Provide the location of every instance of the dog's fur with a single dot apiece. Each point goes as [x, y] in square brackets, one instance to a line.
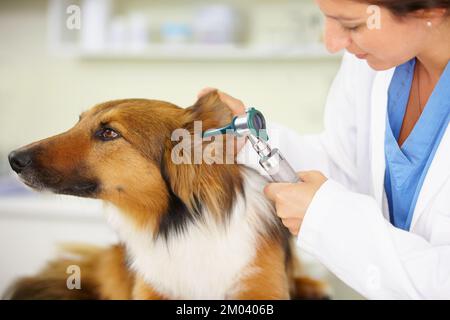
[189, 231]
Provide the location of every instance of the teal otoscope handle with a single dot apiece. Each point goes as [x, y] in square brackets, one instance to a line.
[218, 131]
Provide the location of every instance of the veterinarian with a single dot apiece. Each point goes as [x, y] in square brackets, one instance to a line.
[376, 208]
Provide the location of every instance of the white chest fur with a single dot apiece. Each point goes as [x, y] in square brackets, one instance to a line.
[206, 261]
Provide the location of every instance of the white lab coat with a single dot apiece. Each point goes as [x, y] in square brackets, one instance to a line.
[346, 226]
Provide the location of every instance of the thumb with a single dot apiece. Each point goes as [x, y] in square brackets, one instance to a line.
[272, 190]
[306, 176]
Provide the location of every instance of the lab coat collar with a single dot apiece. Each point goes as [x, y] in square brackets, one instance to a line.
[379, 100]
[437, 174]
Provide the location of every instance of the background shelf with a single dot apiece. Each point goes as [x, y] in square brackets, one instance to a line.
[208, 53]
[188, 30]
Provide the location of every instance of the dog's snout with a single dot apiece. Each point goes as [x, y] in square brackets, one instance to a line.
[19, 160]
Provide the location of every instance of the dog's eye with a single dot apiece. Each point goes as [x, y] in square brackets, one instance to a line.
[107, 134]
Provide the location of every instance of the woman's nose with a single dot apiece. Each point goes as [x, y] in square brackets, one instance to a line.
[336, 38]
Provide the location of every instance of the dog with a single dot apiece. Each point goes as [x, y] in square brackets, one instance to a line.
[187, 231]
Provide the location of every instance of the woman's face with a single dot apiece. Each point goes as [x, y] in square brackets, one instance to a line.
[351, 25]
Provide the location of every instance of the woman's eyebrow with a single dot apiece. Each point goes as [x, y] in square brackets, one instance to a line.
[342, 18]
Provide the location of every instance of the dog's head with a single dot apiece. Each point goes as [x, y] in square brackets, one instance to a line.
[120, 151]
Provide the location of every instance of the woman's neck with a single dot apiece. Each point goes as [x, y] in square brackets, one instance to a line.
[436, 53]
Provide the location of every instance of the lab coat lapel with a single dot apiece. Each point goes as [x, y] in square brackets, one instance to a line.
[437, 174]
[439, 170]
[379, 100]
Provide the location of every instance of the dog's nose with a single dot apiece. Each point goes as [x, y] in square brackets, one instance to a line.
[19, 160]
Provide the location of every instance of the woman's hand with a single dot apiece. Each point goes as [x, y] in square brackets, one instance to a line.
[236, 106]
[293, 199]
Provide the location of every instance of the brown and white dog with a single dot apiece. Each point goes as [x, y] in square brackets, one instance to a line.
[188, 231]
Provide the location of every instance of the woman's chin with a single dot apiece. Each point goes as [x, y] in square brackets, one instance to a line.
[378, 65]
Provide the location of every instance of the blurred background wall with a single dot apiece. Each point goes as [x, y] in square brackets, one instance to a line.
[267, 53]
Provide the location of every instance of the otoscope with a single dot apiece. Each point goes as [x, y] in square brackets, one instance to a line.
[253, 125]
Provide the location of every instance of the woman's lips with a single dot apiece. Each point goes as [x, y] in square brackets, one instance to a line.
[361, 55]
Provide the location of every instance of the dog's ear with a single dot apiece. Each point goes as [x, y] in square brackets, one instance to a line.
[199, 182]
[211, 111]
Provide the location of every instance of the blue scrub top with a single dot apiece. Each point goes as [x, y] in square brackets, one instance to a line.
[407, 166]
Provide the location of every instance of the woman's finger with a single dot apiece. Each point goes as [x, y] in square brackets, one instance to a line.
[290, 222]
[236, 105]
[205, 91]
[294, 230]
[273, 191]
[311, 176]
[293, 224]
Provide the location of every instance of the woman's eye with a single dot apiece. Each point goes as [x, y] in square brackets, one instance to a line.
[351, 28]
[107, 134]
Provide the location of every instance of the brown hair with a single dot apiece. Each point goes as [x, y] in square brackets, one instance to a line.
[402, 8]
